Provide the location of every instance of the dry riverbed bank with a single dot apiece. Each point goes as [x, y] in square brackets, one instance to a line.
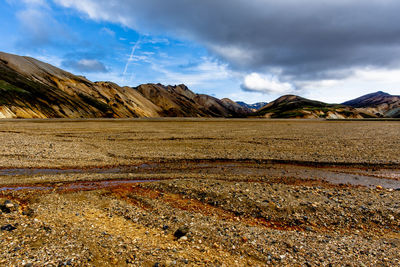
[221, 222]
[142, 193]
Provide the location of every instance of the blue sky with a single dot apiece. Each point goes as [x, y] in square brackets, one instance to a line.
[249, 50]
[101, 50]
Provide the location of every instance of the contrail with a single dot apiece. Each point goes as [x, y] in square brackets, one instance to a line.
[131, 56]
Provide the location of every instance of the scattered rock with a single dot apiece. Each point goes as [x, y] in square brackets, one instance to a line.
[8, 227]
[28, 212]
[9, 204]
[183, 238]
[182, 231]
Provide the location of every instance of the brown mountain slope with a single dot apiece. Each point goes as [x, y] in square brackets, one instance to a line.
[235, 106]
[379, 103]
[292, 106]
[179, 101]
[34, 89]
[217, 107]
[172, 100]
[30, 88]
[22, 95]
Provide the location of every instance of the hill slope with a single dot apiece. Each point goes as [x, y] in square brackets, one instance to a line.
[379, 103]
[179, 101]
[33, 89]
[30, 88]
[292, 106]
[236, 106]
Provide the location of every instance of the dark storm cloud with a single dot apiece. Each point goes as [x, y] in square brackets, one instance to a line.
[309, 39]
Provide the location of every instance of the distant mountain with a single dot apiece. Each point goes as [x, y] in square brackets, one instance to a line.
[292, 106]
[380, 103]
[179, 101]
[30, 88]
[253, 107]
[235, 106]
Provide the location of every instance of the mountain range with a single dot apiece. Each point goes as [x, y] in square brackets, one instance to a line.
[252, 107]
[381, 104]
[30, 88]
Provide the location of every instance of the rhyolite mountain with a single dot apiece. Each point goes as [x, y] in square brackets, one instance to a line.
[179, 101]
[292, 106]
[380, 103]
[30, 88]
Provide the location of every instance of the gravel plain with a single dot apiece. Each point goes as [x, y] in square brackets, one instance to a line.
[216, 193]
[96, 143]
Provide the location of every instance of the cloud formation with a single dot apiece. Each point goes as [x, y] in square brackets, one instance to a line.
[302, 43]
[85, 65]
[303, 38]
[255, 82]
[204, 71]
[38, 25]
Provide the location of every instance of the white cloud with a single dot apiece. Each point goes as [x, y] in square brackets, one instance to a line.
[305, 45]
[250, 97]
[95, 10]
[255, 82]
[135, 46]
[362, 81]
[108, 31]
[39, 26]
[88, 62]
[206, 72]
[85, 65]
[51, 59]
[156, 40]
[232, 53]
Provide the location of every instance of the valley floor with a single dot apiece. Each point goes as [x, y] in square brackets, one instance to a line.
[167, 192]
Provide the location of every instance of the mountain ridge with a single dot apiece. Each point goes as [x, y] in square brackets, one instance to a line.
[293, 106]
[30, 88]
[379, 103]
[33, 89]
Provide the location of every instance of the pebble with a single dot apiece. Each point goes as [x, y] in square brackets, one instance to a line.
[182, 231]
[8, 204]
[8, 227]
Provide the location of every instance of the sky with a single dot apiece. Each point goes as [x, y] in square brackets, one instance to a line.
[246, 50]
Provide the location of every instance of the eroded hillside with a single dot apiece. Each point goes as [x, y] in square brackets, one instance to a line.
[34, 89]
